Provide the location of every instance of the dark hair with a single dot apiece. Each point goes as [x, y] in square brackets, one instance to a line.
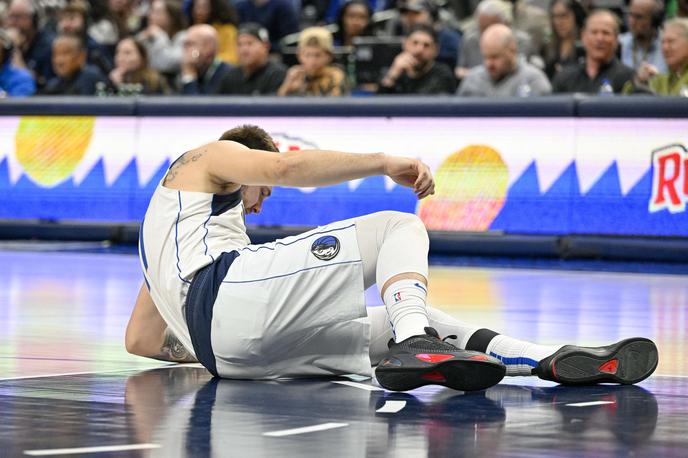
[250, 136]
[177, 19]
[221, 11]
[575, 7]
[80, 41]
[339, 34]
[425, 28]
[140, 48]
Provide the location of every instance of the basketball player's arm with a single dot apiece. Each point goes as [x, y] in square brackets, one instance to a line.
[234, 163]
[148, 335]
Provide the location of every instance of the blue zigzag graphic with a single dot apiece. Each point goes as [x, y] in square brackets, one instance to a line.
[560, 210]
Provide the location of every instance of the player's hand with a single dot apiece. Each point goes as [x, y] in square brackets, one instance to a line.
[411, 173]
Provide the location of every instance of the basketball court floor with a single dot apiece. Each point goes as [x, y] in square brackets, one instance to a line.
[68, 387]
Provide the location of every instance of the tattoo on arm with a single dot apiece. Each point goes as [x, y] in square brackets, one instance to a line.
[173, 350]
[181, 162]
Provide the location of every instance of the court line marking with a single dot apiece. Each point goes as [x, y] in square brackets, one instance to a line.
[361, 386]
[131, 369]
[591, 403]
[305, 429]
[391, 407]
[105, 448]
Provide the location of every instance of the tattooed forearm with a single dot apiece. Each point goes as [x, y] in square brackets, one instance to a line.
[173, 350]
[183, 160]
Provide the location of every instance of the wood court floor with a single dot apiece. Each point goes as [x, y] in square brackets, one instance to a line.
[67, 386]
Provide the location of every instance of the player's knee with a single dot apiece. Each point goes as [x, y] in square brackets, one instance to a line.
[411, 221]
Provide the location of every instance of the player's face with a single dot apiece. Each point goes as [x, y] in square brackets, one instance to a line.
[253, 197]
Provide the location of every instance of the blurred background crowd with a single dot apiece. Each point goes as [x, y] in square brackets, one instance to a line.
[336, 48]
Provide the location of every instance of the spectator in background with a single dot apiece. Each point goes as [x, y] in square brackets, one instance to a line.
[33, 43]
[256, 73]
[164, 36]
[74, 76]
[314, 74]
[414, 70]
[112, 20]
[416, 12]
[601, 72]
[353, 20]
[223, 17]
[565, 48]
[14, 81]
[533, 21]
[487, 13]
[278, 16]
[202, 71]
[675, 50]
[682, 10]
[132, 74]
[73, 19]
[503, 73]
[642, 44]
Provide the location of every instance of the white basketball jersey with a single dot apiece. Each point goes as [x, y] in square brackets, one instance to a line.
[181, 233]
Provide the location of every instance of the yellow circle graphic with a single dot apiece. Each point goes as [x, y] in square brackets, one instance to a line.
[50, 147]
[470, 190]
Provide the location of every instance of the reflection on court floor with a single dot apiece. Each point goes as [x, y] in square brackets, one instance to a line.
[68, 386]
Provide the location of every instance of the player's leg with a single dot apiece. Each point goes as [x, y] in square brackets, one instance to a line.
[394, 250]
[628, 361]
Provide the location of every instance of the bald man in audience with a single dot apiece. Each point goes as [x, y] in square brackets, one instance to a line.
[202, 70]
[503, 73]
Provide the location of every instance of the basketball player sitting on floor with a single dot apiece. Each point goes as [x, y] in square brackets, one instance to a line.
[295, 307]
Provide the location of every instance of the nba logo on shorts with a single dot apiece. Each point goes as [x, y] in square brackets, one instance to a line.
[325, 248]
[397, 297]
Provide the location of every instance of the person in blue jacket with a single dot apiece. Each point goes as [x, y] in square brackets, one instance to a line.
[14, 81]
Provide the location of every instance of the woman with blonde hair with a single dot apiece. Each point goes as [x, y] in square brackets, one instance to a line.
[314, 74]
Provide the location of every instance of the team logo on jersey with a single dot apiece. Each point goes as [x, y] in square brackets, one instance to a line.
[325, 248]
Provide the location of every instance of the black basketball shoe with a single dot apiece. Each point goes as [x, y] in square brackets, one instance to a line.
[428, 360]
[626, 362]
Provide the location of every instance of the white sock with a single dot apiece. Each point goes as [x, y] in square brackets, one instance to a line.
[518, 355]
[406, 310]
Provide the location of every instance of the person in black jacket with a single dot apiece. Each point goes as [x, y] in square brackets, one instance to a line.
[601, 72]
[256, 73]
[74, 76]
[415, 70]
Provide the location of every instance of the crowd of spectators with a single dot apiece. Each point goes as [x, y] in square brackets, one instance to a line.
[491, 48]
